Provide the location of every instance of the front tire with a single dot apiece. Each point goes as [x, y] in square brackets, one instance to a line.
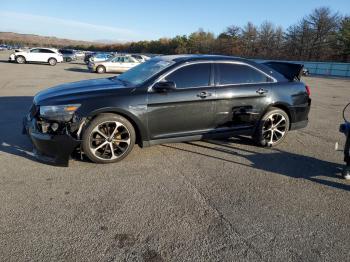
[20, 59]
[108, 138]
[101, 69]
[52, 61]
[272, 128]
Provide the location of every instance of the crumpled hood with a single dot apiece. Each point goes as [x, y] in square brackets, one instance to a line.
[74, 90]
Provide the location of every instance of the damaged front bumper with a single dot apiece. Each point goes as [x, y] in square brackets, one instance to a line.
[50, 148]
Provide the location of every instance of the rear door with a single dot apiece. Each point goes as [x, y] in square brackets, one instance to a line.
[187, 110]
[114, 64]
[45, 54]
[243, 93]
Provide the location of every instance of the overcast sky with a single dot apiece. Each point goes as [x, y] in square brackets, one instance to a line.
[145, 20]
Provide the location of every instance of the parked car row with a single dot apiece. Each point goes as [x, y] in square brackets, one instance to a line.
[97, 62]
[8, 47]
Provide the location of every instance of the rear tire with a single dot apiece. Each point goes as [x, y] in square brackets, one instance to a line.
[20, 59]
[272, 128]
[100, 69]
[108, 138]
[52, 61]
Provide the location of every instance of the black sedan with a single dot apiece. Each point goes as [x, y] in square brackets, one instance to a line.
[168, 99]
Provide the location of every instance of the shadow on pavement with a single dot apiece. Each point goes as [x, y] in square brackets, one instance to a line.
[4, 61]
[274, 160]
[13, 109]
[77, 69]
[77, 63]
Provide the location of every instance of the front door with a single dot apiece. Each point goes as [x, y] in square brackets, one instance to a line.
[34, 55]
[186, 110]
[114, 65]
[242, 93]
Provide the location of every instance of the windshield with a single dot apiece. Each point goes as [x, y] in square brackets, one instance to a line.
[144, 71]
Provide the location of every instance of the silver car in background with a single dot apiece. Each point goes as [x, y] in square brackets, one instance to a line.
[116, 64]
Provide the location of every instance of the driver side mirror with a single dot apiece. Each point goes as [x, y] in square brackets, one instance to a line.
[164, 86]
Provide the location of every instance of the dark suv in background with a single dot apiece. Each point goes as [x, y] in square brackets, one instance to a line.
[68, 55]
[168, 99]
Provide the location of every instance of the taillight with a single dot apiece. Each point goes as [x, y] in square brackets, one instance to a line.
[307, 88]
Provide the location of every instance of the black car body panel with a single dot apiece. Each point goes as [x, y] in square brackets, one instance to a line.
[55, 149]
[288, 70]
[181, 114]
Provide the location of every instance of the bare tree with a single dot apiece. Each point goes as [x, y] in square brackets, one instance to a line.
[324, 26]
[249, 40]
[344, 39]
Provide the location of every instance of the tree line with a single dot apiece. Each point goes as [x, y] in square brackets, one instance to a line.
[322, 35]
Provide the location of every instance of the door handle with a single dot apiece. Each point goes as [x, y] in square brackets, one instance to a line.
[262, 91]
[204, 94]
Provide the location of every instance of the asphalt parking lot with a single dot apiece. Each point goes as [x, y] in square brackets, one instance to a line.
[200, 201]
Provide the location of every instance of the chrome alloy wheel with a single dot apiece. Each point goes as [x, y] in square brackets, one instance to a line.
[274, 128]
[109, 140]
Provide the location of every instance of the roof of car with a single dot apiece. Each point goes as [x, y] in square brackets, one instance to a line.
[53, 49]
[190, 57]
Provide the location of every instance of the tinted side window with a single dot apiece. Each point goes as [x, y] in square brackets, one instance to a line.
[191, 76]
[66, 51]
[45, 51]
[239, 74]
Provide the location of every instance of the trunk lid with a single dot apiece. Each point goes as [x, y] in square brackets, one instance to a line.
[290, 71]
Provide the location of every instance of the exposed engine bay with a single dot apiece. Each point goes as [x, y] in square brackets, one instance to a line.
[64, 135]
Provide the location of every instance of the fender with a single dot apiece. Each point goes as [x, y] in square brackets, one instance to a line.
[140, 127]
[281, 105]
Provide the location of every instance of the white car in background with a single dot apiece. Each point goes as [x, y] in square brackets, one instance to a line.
[116, 64]
[39, 55]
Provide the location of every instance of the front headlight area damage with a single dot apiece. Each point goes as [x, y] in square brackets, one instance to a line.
[55, 132]
[59, 120]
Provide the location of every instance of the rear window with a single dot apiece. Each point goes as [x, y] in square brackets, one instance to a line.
[46, 51]
[239, 74]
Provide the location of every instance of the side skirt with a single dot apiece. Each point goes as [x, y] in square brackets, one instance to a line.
[209, 135]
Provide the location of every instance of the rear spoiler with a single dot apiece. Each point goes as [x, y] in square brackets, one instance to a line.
[288, 70]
